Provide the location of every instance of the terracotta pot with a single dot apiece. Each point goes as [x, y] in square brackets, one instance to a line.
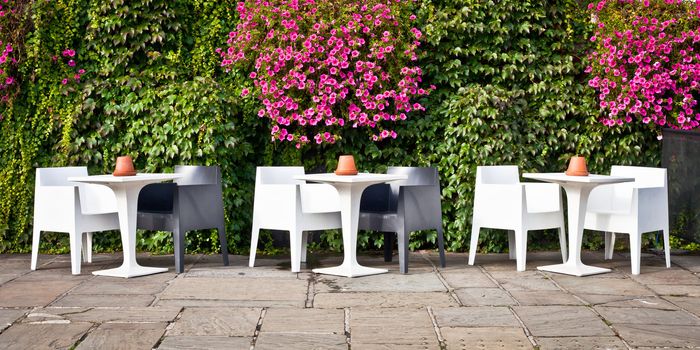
[577, 167]
[125, 167]
[346, 166]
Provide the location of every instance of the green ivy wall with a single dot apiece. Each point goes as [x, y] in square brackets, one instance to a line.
[510, 90]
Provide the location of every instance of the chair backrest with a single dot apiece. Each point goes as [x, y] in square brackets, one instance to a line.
[58, 176]
[198, 175]
[497, 174]
[416, 176]
[643, 176]
[278, 175]
[377, 199]
[94, 199]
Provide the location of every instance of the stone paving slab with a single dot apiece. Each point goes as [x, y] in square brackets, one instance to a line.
[659, 335]
[581, 343]
[104, 300]
[560, 321]
[480, 316]
[101, 315]
[663, 275]
[25, 336]
[601, 285]
[382, 300]
[524, 281]
[676, 290]
[641, 302]
[313, 321]
[247, 292]
[18, 294]
[120, 286]
[301, 341]
[397, 327]
[412, 283]
[647, 316]
[227, 322]
[544, 297]
[468, 278]
[691, 304]
[484, 297]
[123, 336]
[204, 342]
[7, 316]
[485, 338]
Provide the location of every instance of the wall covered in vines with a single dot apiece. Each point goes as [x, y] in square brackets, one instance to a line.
[91, 80]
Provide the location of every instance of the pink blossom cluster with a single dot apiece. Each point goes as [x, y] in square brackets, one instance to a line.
[319, 66]
[68, 55]
[5, 9]
[6, 80]
[647, 67]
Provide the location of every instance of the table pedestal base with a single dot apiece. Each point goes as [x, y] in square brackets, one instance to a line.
[574, 269]
[350, 270]
[130, 271]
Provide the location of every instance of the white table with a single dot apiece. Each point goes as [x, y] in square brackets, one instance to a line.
[126, 189]
[350, 188]
[577, 190]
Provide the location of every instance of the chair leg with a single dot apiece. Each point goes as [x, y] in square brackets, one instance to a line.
[75, 239]
[609, 245]
[635, 251]
[562, 243]
[512, 249]
[441, 246]
[402, 236]
[667, 248]
[179, 243]
[35, 246]
[295, 248]
[253, 244]
[304, 242]
[223, 242]
[520, 248]
[473, 243]
[87, 247]
[388, 246]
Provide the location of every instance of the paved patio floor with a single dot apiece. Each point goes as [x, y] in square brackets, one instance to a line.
[267, 307]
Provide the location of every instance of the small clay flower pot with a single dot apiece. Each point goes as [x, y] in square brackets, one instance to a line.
[577, 167]
[346, 166]
[125, 167]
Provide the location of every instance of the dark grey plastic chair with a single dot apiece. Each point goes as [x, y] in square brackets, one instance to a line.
[193, 202]
[403, 207]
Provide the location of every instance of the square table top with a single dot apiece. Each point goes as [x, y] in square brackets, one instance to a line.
[592, 178]
[359, 178]
[122, 179]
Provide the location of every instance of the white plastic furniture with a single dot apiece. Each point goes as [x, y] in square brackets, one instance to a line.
[633, 208]
[350, 190]
[577, 190]
[61, 206]
[501, 201]
[126, 189]
[285, 203]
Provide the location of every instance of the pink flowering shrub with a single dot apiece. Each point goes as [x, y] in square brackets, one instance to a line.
[320, 66]
[646, 65]
[74, 74]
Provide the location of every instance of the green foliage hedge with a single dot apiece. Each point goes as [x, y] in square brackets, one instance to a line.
[510, 90]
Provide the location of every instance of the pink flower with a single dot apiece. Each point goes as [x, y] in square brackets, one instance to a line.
[64, 81]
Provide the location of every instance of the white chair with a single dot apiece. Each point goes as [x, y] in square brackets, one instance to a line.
[62, 206]
[631, 207]
[501, 201]
[283, 203]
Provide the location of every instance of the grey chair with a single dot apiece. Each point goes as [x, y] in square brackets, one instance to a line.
[402, 207]
[193, 202]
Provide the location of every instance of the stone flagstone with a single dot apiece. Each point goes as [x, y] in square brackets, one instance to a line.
[559, 321]
[485, 338]
[383, 300]
[222, 321]
[113, 335]
[25, 336]
[204, 342]
[484, 297]
[581, 343]
[480, 316]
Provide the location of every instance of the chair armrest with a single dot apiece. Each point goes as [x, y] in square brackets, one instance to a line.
[272, 198]
[420, 206]
[319, 198]
[56, 201]
[542, 197]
